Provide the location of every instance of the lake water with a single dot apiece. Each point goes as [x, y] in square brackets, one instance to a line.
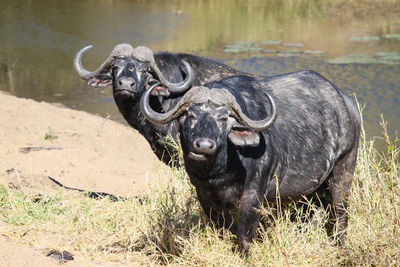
[356, 47]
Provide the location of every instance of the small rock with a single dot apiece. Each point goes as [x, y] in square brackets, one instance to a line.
[55, 254]
[65, 255]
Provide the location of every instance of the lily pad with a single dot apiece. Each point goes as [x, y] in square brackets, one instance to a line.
[258, 55]
[387, 54]
[238, 46]
[391, 58]
[256, 49]
[314, 52]
[344, 60]
[353, 58]
[287, 54]
[341, 60]
[270, 50]
[293, 44]
[378, 57]
[367, 60]
[271, 42]
[234, 50]
[363, 38]
[292, 51]
[241, 43]
[356, 55]
[393, 36]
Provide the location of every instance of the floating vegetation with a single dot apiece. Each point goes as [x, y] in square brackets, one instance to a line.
[393, 36]
[255, 49]
[378, 57]
[363, 38]
[242, 46]
[258, 55]
[293, 44]
[292, 51]
[396, 23]
[280, 49]
[270, 42]
[314, 52]
[270, 50]
[387, 54]
[238, 47]
[287, 54]
[259, 48]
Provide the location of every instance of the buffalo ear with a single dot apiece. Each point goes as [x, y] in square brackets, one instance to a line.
[100, 81]
[244, 137]
[160, 91]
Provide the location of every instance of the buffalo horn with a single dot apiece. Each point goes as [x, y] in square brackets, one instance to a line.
[224, 97]
[260, 125]
[145, 54]
[200, 94]
[119, 50]
[176, 87]
[82, 72]
[195, 94]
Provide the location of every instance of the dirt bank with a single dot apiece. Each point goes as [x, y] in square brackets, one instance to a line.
[76, 148]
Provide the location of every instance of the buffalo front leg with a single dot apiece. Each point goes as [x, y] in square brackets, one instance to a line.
[249, 217]
[219, 217]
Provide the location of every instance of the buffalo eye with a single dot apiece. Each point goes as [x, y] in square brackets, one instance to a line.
[115, 69]
[191, 116]
[223, 119]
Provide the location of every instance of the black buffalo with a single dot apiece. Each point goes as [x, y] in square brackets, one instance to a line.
[130, 71]
[302, 139]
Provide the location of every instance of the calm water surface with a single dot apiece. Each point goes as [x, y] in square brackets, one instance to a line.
[356, 47]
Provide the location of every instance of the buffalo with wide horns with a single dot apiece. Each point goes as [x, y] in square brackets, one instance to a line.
[247, 140]
[130, 71]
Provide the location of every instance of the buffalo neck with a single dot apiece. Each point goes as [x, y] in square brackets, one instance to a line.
[130, 109]
[215, 170]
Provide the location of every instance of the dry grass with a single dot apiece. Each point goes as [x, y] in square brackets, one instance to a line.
[170, 227]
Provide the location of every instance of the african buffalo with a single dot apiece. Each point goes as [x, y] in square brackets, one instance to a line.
[130, 71]
[301, 139]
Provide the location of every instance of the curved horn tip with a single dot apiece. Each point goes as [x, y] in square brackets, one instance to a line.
[269, 121]
[81, 71]
[161, 118]
[260, 125]
[184, 85]
[84, 49]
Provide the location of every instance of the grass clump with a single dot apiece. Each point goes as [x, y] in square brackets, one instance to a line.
[170, 228]
[50, 135]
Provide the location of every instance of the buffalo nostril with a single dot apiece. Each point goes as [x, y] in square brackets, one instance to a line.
[197, 143]
[126, 83]
[204, 145]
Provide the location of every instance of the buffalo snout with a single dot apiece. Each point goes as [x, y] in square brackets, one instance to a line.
[126, 83]
[205, 146]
